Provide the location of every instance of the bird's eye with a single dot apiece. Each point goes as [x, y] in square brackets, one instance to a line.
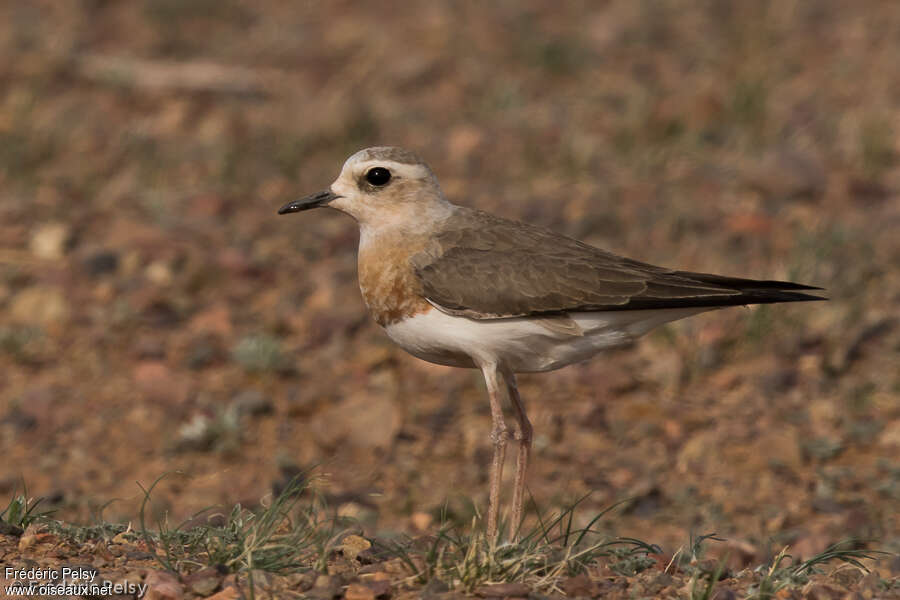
[378, 176]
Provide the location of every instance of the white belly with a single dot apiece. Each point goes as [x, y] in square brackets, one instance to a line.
[524, 345]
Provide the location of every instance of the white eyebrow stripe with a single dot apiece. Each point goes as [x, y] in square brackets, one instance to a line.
[399, 169]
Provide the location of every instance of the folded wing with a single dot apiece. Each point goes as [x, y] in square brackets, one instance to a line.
[485, 267]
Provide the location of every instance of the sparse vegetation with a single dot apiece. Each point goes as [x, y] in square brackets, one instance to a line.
[290, 539]
[280, 536]
[21, 511]
[543, 557]
[260, 353]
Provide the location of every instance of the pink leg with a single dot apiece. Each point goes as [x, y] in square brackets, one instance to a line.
[499, 434]
[523, 434]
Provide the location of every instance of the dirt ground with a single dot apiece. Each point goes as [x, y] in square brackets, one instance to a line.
[157, 316]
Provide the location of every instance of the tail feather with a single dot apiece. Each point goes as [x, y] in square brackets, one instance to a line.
[751, 291]
[738, 283]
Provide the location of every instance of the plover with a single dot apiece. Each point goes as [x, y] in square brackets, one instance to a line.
[460, 287]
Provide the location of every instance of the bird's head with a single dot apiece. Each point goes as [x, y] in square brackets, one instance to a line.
[380, 186]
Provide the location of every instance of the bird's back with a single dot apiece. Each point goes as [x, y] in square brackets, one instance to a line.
[484, 267]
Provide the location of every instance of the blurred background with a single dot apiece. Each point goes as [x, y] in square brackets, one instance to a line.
[156, 316]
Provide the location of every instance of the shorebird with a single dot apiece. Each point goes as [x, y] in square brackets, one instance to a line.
[461, 287]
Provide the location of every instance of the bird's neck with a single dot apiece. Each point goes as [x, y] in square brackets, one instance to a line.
[403, 222]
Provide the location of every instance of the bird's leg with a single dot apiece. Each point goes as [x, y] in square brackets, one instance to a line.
[496, 389]
[523, 434]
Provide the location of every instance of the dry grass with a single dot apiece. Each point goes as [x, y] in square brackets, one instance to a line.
[294, 536]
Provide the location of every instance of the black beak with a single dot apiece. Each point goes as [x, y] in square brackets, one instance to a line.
[311, 201]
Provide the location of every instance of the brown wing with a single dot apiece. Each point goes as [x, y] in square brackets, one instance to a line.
[485, 267]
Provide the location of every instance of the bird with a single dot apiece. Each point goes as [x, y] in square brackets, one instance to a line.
[461, 287]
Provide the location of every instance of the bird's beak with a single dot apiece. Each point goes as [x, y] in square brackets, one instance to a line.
[312, 201]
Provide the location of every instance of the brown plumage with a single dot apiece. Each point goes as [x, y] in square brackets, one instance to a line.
[485, 267]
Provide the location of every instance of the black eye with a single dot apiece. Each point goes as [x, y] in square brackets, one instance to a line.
[378, 176]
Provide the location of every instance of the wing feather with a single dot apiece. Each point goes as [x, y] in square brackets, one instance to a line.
[482, 266]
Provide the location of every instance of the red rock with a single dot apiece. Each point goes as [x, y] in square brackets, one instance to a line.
[214, 319]
[157, 382]
[229, 593]
[821, 591]
[356, 591]
[203, 582]
[162, 586]
[363, 421]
